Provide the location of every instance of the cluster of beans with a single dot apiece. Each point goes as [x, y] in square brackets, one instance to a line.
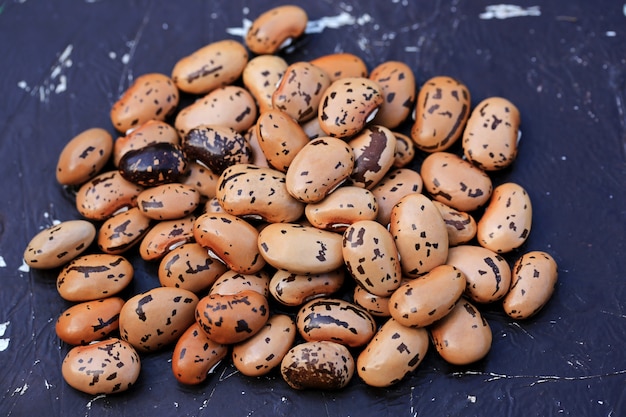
[280, 187]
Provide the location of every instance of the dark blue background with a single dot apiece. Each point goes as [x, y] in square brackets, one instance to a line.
[566, 71]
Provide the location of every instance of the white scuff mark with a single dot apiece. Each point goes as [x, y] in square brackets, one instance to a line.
[506, 11]
[47, 384]
[335, 22]
[471, 398]
[21, 390]
[610, 33]
[411, 49]
[242, 31]
[4, 342]
[3, 264]
[55, 82]
[24, 267]
[94, 399]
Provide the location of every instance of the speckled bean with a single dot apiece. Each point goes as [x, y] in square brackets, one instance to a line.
[165, 236]
[230, 239]
[123, 231]
[229, 106]
[396, 184]
[507, 220]
[463, 336]
[94, 276]
[189, 267]
[152, 131]
[151, 96]
[394, 352]
[59, 244]
[216, 147]
[335, 320]
[215, 65]
[259, 193]
[195, 356]
[341, 208]
[102, 196]
[154, 319]
[105, 367]
[300, 249]
[300, 91]
[534, 278]
[318, 365]
[168, 201]
[229, 319]
[261, 76]
[86, 322]
[374, 151]
[420, 234]
[280, 138]
[398, 87]
[84, 156]
[371, 256]
[455, 182]
[320, 167]
[488, 274]
[347, 105]
[276, 28]
[265, 350]
[491, 135]
[428, 298]
[296, 289]
[441, 111]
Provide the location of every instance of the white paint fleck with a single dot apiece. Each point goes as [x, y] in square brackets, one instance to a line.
[506, 11]
[624, 9]
[242, 31]
[112, 55]
[411, 49]
[3, 264]
[55, 82]
[4, 343]
[471, 398]
[563, 158]
[47, 384]
[165, 26]
[62, 85]
[610, 33]
[331, 22]
[21, 390]
[126, 58]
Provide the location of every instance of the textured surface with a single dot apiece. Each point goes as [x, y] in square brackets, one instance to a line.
[64, 63]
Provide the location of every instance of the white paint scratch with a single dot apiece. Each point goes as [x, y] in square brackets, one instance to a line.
[21, 390]
[88, 405]
[24, 267]
[55, 82]
[4, 343]
[506, 11]
[624, 9]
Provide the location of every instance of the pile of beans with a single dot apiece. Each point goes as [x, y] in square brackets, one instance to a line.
[285, 184]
